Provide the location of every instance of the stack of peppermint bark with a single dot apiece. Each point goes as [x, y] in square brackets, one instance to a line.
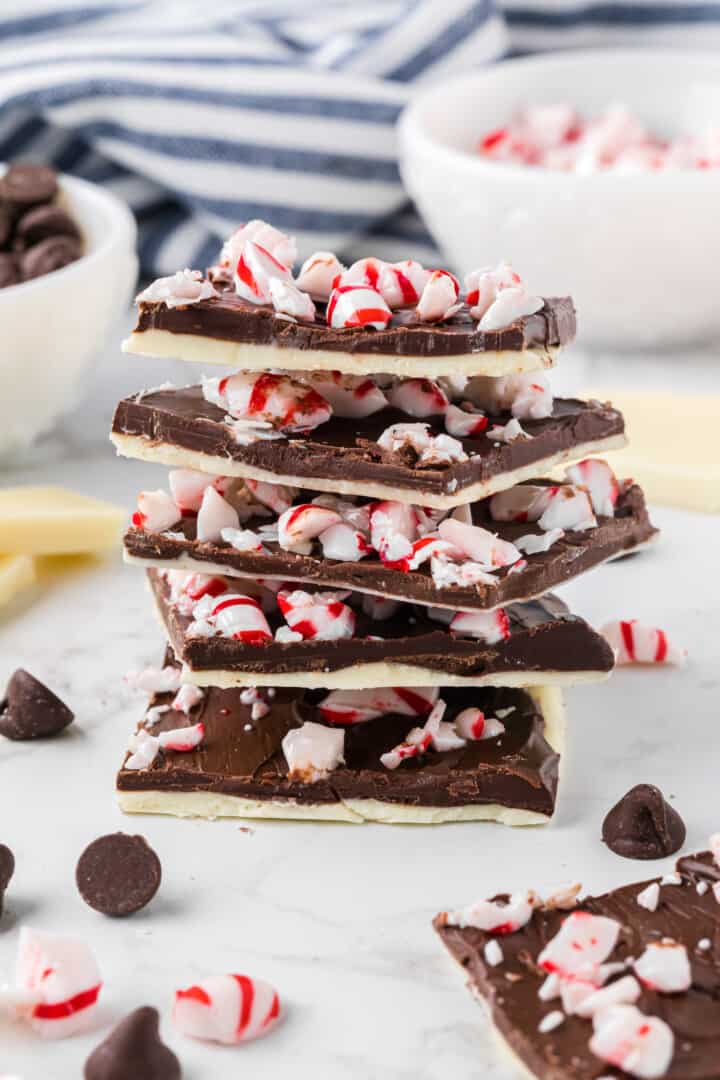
[353, 556]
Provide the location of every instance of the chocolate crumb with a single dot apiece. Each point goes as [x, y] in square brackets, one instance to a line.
[7, 869]
[643, 825]
[134, 1051]
[118, 874]
[30, 710]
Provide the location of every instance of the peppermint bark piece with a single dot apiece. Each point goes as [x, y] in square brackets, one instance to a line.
[225, 329]
[623, 984]
[226, 637]
[241, 769]
[432, 571]
[178, 427]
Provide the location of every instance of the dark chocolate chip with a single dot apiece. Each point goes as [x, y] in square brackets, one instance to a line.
[28, 185]
[30, 710]
[7, 218]
[134, 1051]
[50, 254]
[7, 869]
[118, 874]
[642, 825]
[9, 274]
[40, 223]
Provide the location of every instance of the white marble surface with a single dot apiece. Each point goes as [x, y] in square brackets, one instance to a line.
[337, 917]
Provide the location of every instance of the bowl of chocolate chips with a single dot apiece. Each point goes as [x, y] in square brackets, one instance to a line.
[67, 270]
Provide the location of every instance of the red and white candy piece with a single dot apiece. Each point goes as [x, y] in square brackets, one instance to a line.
[393, 527]
[156, 511]
[478, 543]
[350, 396]
[288, 299]
[482, 286]
[317, 616]
[402, 283]
[187, 698]
[417, 741]
[418, 398]
[582, 943]
[427, 547]
[357, 306]
[182, 739]
[568, 508]
[318, 274]
[438, 299]
[664, 966]
[214, 515]
[300, 525]
[344, 543]
[240, 618]
[313, 751]
[473, 725]
[153, 680]
[187, 487]
[57, 984]
[464, 424]
[639, 1044]
[226, 1009]
[430, 449]
[357, 706]
[254, 271]
[535, 543]
[143, 749]
[366, 271]
[181, 289]
[495, 916]
[509, 306]
[287, 404]
[635, 643]
[488, 626]
[277, 497]
[526, 396]
[624, 991]
[600, 481]
[281, 246]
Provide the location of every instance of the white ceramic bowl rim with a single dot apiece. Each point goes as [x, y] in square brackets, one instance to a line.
[119, 218]
[411, 122]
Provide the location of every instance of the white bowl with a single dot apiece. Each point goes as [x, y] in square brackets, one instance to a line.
[638, 252]
[52, 327]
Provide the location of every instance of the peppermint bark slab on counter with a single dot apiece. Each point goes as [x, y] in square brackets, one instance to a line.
[240, 768]
[226, 329]
[178, 427]
[647, 1003]
[572, 553]
[225, 639]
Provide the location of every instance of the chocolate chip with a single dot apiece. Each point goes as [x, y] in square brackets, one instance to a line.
[134, 1051]
[642, 825]
[27, 185]
[30, 710]
[50, 254]
[40, 223]
[118, 874]
[7, 869]
[7, 219]
[9, 274]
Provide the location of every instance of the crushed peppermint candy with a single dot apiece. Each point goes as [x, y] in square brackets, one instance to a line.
[285, 404]
[156, 511]
[313, 751]
[288, 299]
[525, 396]
[508, 433]
[581, 944]
[649, 897]
[143, 749]
[357, 306]
[179, 290]
[321, 616]
[639, 1044]
[599, 480]
[182, 739]
[430, 449]
[664, 966]
[256, 270]
[495, 916]
[350, 396]
[539, 543]
[227, 1009]
[318, 273]
[155, 680]
[551, 1021]
[635, 643]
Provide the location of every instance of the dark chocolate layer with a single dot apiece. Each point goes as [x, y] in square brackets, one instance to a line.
[347, 450]
[511, 988]
[544, 636]
[243, 757]
[229, 318]
[573, 554]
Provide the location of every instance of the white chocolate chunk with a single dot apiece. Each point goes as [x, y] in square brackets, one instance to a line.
[56, 521]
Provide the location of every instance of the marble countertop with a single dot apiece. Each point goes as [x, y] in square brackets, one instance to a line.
[337, 917]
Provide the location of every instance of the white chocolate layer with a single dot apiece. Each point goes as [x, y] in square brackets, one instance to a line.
[352, 811]
[140, 448]
[372, 676]
[207, 350]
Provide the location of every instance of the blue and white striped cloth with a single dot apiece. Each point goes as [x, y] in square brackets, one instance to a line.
[203, 115]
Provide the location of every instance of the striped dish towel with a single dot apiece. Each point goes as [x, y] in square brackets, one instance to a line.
[205, 115]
